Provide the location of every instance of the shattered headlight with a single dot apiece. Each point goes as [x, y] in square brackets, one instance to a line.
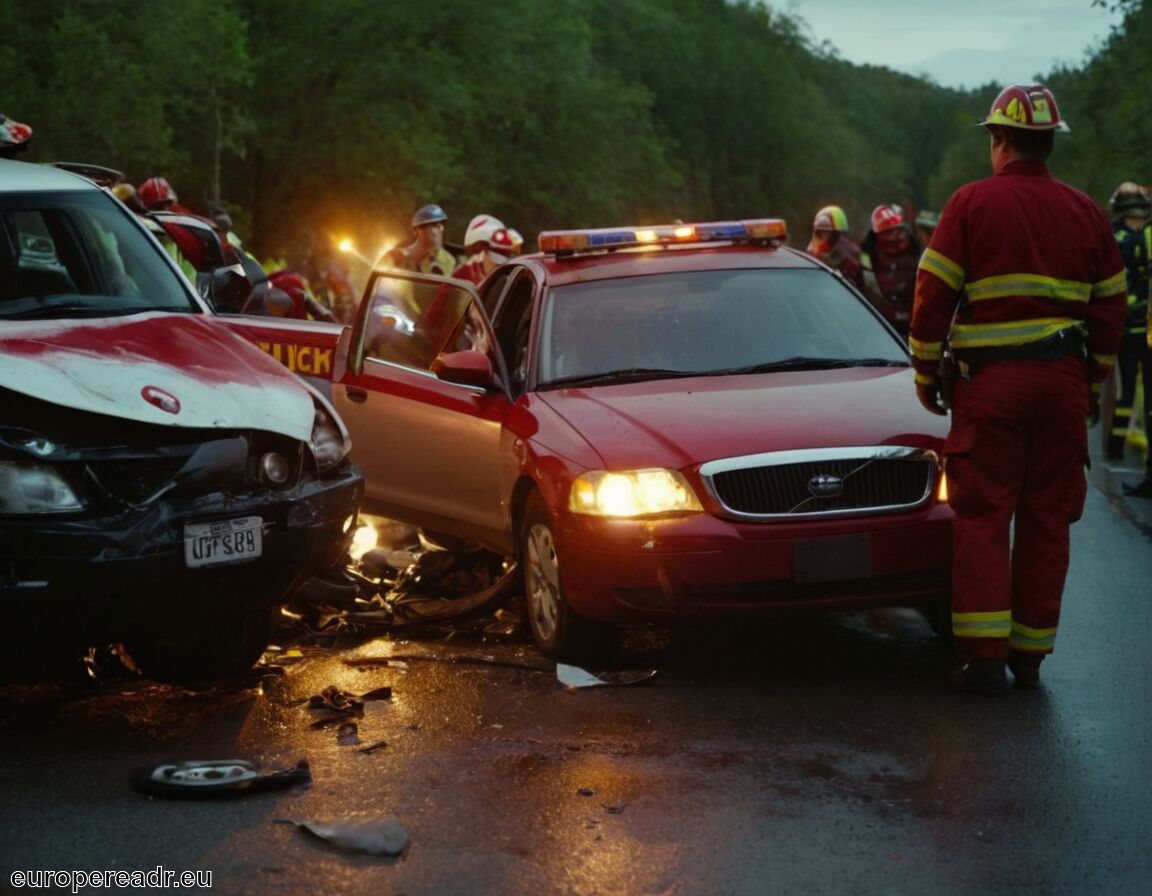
[30, 487]
[329, 441]
[632, 493]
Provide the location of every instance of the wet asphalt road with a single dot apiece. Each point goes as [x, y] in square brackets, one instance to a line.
[810, 756]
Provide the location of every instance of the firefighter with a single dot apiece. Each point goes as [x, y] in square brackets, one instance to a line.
[14, 137]
[426, 253]
[830, 243]
[889, 258]
[489, 244]
[1131, 208]
[1024, 279]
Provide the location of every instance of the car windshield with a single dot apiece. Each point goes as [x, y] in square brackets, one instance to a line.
[80, 254]
[708, 323]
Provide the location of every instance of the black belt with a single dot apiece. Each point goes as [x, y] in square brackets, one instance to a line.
[1059, 345]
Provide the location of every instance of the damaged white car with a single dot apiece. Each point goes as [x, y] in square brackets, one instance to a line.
[163, 483]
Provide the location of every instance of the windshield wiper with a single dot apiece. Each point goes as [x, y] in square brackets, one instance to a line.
[68, 309]
[627, 375]
[803, 362]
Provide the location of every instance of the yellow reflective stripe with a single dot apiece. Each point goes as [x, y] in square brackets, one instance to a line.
[1105, 360]
[926, 351]
[943, 267]
[1013, 332]
[1005, 285]
[1115, 284]
[1032, 639]
[997, 624]
[924, 379]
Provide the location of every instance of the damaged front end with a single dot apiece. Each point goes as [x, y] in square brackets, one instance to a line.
[181, 543]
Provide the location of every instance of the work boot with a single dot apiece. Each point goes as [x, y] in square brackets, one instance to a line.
[1025, 669]
[979, 677]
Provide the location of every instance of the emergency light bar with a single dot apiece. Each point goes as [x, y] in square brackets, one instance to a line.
[758, 230]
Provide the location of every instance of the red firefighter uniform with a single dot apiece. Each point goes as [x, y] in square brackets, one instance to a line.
[1019, 305]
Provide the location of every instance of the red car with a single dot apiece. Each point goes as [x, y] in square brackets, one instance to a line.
[692, 421]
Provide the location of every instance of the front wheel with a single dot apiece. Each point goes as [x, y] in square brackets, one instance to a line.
[213, 642]
[558, 630]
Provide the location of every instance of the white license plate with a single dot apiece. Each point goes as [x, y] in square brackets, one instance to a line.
[224, 541]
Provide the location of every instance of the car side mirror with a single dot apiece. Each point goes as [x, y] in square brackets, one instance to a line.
[228, 289]
[468, 368]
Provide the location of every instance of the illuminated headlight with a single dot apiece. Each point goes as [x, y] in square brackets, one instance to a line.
[329, 441]
[35, 488]
[632, 493]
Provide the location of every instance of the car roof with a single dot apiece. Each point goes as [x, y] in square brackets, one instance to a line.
[567, 269]
[28, 177]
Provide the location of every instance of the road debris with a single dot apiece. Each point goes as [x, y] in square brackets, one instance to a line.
[376, 836]
[573, 677]
[214, 777]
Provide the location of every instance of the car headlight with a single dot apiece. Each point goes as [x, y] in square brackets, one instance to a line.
[35, 488]
[329, 441]
[632, 493]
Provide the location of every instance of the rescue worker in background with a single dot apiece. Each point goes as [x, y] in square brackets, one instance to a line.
[926, 222]
[157, 195]
[830, 243]
[488, 244]
[426, 253]
[14, 137]
[889, 258]
[1031, 271]
[1131, 208]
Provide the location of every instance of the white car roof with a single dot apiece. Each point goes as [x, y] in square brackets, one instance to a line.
[21, 177]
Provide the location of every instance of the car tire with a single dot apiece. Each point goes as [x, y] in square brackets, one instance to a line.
[217, 643]
[559, 632]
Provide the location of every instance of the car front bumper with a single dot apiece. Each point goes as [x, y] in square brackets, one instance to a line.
[91, 578]
[706, 567]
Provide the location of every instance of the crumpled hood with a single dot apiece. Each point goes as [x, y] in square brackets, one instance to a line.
[165, 368]
[679, 423]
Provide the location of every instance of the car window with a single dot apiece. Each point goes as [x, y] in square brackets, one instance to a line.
[707, 322]
[80, 253]
[513, 328]
[411, 322]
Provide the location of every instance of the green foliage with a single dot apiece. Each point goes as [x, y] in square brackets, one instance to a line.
[314, 121]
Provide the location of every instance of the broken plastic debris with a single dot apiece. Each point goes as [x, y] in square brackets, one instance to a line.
[575, 677]
[375, 836]
[214, 777]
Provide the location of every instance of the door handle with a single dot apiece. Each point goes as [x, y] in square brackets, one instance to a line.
[356, 394]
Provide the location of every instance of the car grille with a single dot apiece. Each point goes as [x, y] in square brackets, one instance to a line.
[828, 482]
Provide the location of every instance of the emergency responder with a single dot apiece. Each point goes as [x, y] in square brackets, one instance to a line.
[488, 244]
[1131, 208]
[889, 258]
[926, 222]
[14, 137]
[1029, 268]
[426, 253]
[830, 243]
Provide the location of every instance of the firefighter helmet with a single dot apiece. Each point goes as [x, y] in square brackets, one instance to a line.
[13, 134]
[1031, 107]
[483, 229]
[831, 217]
[156, 193]
[1130, 198]
[886, 217]
[428, 214]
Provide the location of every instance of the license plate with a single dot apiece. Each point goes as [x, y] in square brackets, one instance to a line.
[832, 559]
[223, 541]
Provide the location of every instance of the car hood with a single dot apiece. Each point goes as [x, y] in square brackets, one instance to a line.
[168, 369]
[681, 422]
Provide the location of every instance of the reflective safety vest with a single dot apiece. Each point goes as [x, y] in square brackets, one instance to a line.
[1136, 249]
[1018, 257]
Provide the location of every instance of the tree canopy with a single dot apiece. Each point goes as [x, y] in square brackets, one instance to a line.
[311, 121]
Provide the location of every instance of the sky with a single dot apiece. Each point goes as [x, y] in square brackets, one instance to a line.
[958, 43]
